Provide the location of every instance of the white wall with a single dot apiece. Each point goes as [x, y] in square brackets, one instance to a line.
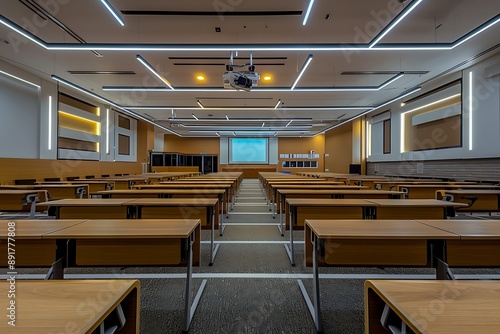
[485, 117]
[159, 140]
[19, 115]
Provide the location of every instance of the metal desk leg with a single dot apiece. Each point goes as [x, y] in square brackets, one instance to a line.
[289, 248]
[80, 191]
[221, 226]
[213, 250]
[56, 271]
[314, 306]
[190, 308]
[280, 225]
[32, 199]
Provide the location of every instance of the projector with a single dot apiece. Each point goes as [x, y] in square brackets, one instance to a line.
[243, 80]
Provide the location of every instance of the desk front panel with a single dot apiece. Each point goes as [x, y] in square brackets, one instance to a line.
[179, 212]
[473, 253]
[30, 252]
[484, 202]
[65, 191]
[325, 212]
[129, 252]
[92, 212]
[11, 202]
[409, 212]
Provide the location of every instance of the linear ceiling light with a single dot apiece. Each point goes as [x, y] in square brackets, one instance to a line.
[308, 11]
[106, 101]
[152, 70]
[234, 134]
[302, 70]
[277, 104]
[227, 117]
[326, 108]
[255, 120]
[113, 12]
[194, 116]
[286, 126]
[20, 79]
[264, 123]
[200, 104]
[388, 82]
[395, 22]
[247, 47]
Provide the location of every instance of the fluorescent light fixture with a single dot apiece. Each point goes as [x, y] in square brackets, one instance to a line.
[263, 123]
[395, 99]
[275, 134]
[303, 69]
[113, 12]
[470, 110]
[287, 124]
[477, 31]
[49, 146]
[402, 140]
[227, 117]
[194, 116]
[277, 104]
[234, 134]
[152, 70]
[218, 134]
[20, 79]
[8, 23]
[432, 103]
[308, 11]
[106, 101]
[388, 82]
[200, 104]
[395, 22]
[107, 131]
[368, 139]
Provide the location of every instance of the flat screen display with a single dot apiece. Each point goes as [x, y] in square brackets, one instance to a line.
[248, 151]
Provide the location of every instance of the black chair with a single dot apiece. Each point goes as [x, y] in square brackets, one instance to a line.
[25, 182]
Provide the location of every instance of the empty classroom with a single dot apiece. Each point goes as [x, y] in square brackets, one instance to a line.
[249, 167]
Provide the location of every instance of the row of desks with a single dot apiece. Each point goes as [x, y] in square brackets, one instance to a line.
[203, 209]
[72, 243]
[422, 243]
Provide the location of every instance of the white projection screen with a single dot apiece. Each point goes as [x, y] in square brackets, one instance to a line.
[248, 151]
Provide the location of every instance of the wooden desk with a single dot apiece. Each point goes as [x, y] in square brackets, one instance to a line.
[131, 242]
[94, 185]
[56, 307]
[30, 249]
[438, 307]
[486, 200]
[283, 194]
[371, 243]
[429, 190]
[17, 200]
[90, 208]
[182, 208]
[479, 244]
[59, 191]
[413, 208]
[173, 193]
[301, 209]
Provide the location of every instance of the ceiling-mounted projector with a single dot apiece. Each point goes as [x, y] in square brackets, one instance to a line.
[240, 80]
[243, 80]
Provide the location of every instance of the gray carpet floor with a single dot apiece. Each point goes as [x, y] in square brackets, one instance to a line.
[251, 288]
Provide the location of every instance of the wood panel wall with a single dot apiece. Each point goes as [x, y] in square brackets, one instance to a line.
[463, 169]
[338, 144]
[302, 146]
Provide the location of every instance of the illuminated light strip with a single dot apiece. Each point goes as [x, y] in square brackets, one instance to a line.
[470, 110]
[227, 117]
[433, 103]
[20, 79]
[152, 70]
[50, 124]
[477, 31]
[402, 139]
[194, 116]
[311, 2]
[286, 89]
[113, 12]
[395, 22]
[304, 67]
[371, 109]
[246, 47]
[287, 124]
[200, 104]
[388, 82]
[79, 117]
[102, 99]
[249, 108]
[368, 139]
[107, 131]
[8, 23]
[277, 104]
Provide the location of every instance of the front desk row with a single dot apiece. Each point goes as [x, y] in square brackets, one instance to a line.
[389, 305]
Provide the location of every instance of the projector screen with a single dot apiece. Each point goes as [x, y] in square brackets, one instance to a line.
[248, 151]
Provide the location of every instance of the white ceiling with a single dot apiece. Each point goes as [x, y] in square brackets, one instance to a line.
[268, 24]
